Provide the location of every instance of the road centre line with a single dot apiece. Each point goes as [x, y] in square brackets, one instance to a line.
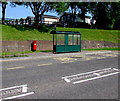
[95, 78]
[16, 68]
[45, 64]
[19, 67]
[85, 73]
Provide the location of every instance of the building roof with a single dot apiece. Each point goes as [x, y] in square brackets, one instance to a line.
[47, 16]
[50, 16]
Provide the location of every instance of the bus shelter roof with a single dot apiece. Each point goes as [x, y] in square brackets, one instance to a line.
[65, 32]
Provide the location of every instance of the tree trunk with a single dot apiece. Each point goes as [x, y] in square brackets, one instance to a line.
[84, 17]
[41, 20]
[74, 18]
[36, 21]
[3, 12]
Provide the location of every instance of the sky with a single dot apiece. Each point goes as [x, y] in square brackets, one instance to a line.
[20, 12]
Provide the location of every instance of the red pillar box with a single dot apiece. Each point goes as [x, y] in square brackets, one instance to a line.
[34, 46]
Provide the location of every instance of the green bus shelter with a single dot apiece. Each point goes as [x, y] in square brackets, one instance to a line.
[66, 41]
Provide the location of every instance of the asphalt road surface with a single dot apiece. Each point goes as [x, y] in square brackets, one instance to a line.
[44, 77]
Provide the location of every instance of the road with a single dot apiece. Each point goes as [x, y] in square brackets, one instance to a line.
[44, 77]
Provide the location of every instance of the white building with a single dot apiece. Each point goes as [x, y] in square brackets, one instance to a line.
[47, 19]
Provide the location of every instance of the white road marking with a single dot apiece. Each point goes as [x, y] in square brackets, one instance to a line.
[24, 91]
[83, 77]
[85, 73]
[67, 80]
[95, 78]
[13, 87]
[17, 96]
[115, 69]
[97, 74]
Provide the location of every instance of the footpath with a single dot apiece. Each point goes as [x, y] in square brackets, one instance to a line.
[42, 55]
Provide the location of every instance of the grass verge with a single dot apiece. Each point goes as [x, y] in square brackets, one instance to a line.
[112, 49]
[22, 33]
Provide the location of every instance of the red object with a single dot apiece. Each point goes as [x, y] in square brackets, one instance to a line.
[34, 46]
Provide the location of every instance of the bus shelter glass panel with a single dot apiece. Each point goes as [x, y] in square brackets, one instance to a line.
[70, 39]
[76, 40]
[60, 39]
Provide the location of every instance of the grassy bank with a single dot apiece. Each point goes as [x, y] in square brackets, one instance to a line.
[12, 33]
[96, 34]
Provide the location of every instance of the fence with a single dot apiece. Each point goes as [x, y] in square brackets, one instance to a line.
[27, 21]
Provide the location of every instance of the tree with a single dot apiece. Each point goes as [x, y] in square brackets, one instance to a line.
[61, 7]
[99, 13]
[115, 15]
[3, 11]
[37, 8]
[83, 6]
[77, 9]
[106, 14]
[74, 9]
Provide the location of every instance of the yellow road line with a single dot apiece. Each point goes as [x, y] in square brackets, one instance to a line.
[45, 64]
[90, 58]
[67, 61]
[15, 68]
[112, 55]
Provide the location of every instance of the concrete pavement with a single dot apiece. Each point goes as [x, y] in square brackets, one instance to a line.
[42, 55]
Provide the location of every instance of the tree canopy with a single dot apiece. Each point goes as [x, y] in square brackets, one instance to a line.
[106, 14]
